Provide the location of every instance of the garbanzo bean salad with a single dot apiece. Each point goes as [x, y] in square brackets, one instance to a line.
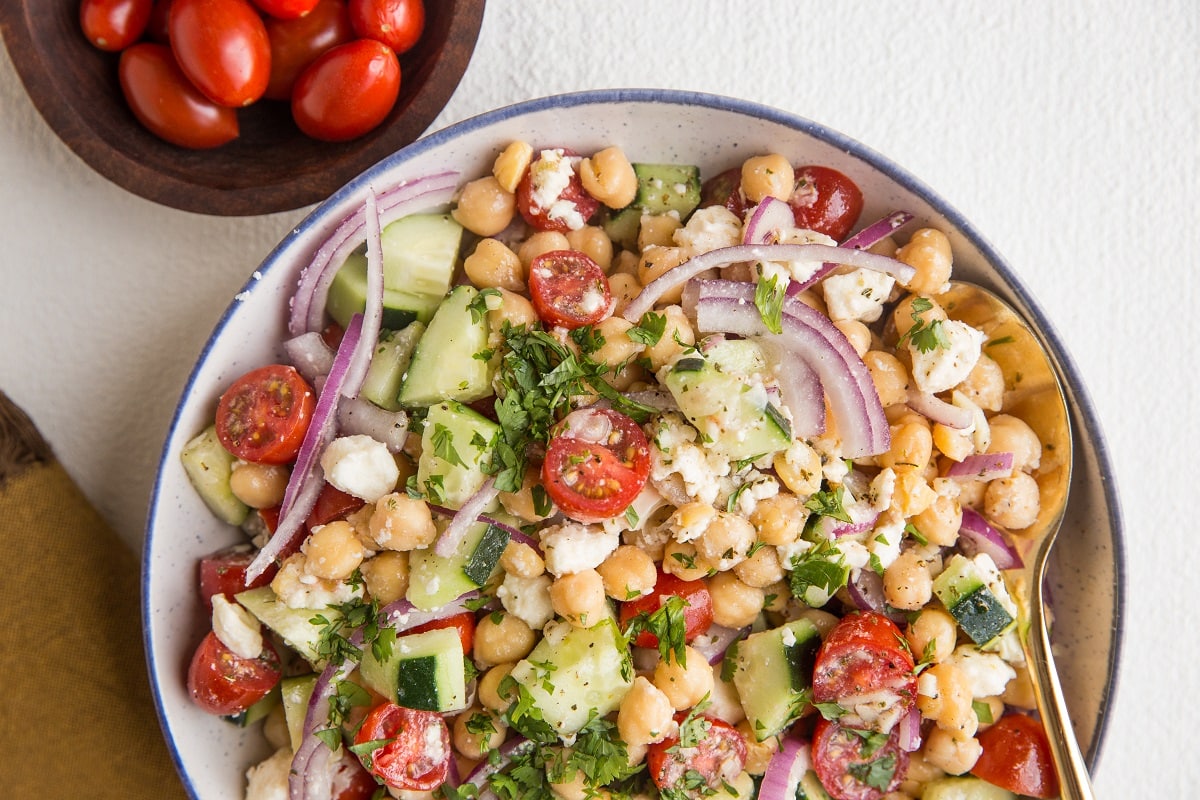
[620, 480]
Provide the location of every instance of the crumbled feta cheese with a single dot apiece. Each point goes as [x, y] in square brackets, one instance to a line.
[855, 553]
[788, 553]
[1008, 647]
[859, 294]
[803, 466]
[875, 711]
[788, 637]
[784, 271]
[269, 780]
[927, 685]
[296, 588]
[944, 368]
[237, 628]
[574, 547]
[549, 176]
[757, 486]
[709, 229]
[886, 537]
[995, 582]
[883, 486]
[833, 466]
[528, 599]
[981, 430]
[704, 472]
[360, 466]
[567, 213]
[986, 673]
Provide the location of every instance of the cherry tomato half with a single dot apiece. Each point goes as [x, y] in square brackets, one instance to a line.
[697, 613]
[113, 25]
[464, 623]
[569, 289]
[264, 415]
[222, 682]
[851, 767]
[864, 655]
[596, 464]
[416, 756]
[285, 9]
[296, 43]
[347, 91]
[332, 504]
[1016, 756]
[397, 23]
[350, 779]
[546, 217]
[826, 201]
[166, 102]
[718, 757]
[221, 45]
[224, 572]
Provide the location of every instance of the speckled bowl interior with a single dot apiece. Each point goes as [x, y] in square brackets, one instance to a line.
[654, 126]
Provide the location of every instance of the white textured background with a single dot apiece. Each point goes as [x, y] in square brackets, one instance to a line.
[1068, 132]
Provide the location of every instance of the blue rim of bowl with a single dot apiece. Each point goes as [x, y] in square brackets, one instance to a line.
[1082, 402]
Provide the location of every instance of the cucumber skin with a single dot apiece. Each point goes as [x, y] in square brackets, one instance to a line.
[444, 366]
[208, 465]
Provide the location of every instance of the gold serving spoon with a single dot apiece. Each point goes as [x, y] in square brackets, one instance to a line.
[1033, 393]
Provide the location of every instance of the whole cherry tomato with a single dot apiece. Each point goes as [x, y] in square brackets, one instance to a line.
[396, 23]
[113, 25]
[286, 9]
[415, 750]
[569, 289]
[596, 464]
[1016, 756]
[222, 682]
[347, 91]
[264, 415]
[296, 43]
[166, 102]
[222, 46]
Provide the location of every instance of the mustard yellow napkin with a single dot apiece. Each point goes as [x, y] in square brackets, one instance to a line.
[76, 715]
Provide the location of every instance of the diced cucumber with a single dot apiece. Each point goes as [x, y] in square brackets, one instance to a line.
[445, 365]
[390, 361]
[724, 395]
[575, 672]
[434, 581]
[294, 625]
[296, 692]
[257, 711]
[667, 187]
[622, 226]
[772, 671]
[810, 788]
[348, 296]
[964, 788]
[454, 448]
[963, 587]
[423, 671]
[420, 253]
[208, 465]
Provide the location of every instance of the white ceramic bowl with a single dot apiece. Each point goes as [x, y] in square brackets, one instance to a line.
[655, 126]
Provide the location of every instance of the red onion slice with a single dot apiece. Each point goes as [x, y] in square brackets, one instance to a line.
[299, 497]
[982, 467]
[810, 337]
[724, 256]
[716, 641]
[356, 415]
[802, 393]
[908, 731]
[785, 769]
[866, 238]
[832, 528]
[451, 539]
[865, 588]
[360, 357]
[939, 411]
[977, 535]
[309, 354]
[422, 194]
[769, 217]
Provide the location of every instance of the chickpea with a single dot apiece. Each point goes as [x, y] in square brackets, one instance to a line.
[333, 551]
[609, 177]
[681, 560]
[539, 243]
[951, 709]
[258, 485]
[657, 260]
[684, 684]
[618, 348]
[903, 319]
[889, 375]
[932, 635]
[484, 207]
[777, 597]
[524, 503]
[646, 714]
[939, 523]
[677, 337]
[401, 522]
[1019, 691]
[984, 384]
[386, 576]
[624, 263]
[628, 572]
[768, 176]
[799, 468]
[953, 442]
[489, 688]
[1013, 435]
[953, 753]
[758, 754]
[593, 242]
[726, 541]
[511, 164]
[515, 310]
[779, 520]
[735, 604]
[493, 265]
[858, 334]
[912, 493]
[501, 637]
[478, 731]
[658, 230]
[927, 252]
[1013, 502]
[906, 583]
[920, 772]
[624, 287]
[912, 447]
[761, 568]
[578, 597]
[520, 559]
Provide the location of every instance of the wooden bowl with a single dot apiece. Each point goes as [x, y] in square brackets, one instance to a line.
[271, 167]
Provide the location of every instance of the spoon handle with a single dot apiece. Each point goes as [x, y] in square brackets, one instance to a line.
[1068, 760]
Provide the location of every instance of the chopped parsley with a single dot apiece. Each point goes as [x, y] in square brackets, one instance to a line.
[769, 295]
[877, 773]
[649, 330]
[924, 336]
[443, 445]
[668, 626]
[479, 305]
[818, 573]
[829, 503]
